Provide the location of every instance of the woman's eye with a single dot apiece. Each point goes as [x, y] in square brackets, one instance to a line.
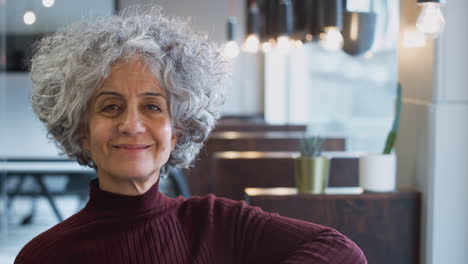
[153, 107]
[110, 108]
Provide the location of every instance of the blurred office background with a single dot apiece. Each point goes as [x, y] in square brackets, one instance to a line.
[332, 93]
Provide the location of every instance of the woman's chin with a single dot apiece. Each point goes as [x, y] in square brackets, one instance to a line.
[135, 175]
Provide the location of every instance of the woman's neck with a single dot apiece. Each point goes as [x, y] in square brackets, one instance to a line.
[128, 186]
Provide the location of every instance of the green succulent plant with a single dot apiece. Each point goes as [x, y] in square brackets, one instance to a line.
[392, 135]
[312, 146]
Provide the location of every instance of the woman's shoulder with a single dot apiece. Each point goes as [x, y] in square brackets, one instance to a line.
[47, 246]
[210, 203]
[210, 211]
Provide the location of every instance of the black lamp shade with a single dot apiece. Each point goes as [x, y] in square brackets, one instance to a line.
[269, 11]
[253, 18]
[331, 13]
[231, 29]
[313, 24]
[431, 1]
[300, 14]
[358, 32]
[285, 17]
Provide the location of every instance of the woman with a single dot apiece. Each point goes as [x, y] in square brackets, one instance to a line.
[131, 96]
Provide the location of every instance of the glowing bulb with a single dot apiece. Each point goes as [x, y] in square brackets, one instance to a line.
[252, 43]
[331, 40]
[298, 44]
[269, 45]
[48, 3]
[283, 44]
[29, 17]
[431, 20]
[231, 50]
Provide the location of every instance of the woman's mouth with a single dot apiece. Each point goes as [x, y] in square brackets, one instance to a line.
[131, 148]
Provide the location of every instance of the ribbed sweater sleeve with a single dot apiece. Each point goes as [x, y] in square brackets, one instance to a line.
[304, 242]
[247, 234]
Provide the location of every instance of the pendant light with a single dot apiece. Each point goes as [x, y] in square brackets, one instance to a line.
[300, 19]
[269, 18]
[358, 30]
[431, 20]
[48, 3]
[29, 17]
[285, 26]
[331, 20]
[231, 48]
[312, 26]
[252, 41]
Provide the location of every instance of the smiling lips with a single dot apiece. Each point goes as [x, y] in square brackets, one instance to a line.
[132, 146]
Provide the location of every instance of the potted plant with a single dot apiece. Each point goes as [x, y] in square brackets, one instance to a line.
[377, 172]
[311, 167]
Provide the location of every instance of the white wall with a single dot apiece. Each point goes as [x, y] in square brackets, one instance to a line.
[432, 144]
[24, 135]
[451, 139]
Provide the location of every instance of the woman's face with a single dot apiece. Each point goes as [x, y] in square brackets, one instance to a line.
[129, 133]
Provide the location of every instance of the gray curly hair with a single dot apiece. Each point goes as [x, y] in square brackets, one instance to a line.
[69, 65]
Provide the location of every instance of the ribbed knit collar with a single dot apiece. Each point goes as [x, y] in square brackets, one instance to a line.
[108, 202]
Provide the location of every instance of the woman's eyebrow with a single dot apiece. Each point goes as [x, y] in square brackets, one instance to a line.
[120, 95]
[152, 94]
[108, 93]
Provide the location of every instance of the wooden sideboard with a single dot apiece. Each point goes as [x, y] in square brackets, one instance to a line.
[386, 226]
[199, 176]
[233, 171]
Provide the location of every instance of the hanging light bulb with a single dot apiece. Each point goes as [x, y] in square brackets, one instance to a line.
[269, 45]
[331, 39]
[283, 44]
[231, 48]
[284, 26]
[29, 17]
[331, 21]
[252, 41]
[48, 3]
[431, 20]
[297, 44]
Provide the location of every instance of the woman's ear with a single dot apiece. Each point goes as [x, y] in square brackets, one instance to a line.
[84, 139]
[174, 138]
[86, 145]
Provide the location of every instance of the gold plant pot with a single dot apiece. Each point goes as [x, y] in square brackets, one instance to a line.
[311, 174]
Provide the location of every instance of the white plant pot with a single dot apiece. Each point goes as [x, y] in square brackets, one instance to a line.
[377, 172]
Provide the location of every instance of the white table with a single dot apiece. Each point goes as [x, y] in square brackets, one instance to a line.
[38, 169]
[44, 167]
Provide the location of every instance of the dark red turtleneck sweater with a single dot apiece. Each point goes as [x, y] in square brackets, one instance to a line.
[152, 228]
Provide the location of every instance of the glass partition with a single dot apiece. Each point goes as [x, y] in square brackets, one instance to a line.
[337, 94]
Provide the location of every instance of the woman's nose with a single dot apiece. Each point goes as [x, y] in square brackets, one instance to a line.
[131, 122]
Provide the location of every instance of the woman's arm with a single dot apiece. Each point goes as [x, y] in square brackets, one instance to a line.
[296, 241]
[247, 234]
